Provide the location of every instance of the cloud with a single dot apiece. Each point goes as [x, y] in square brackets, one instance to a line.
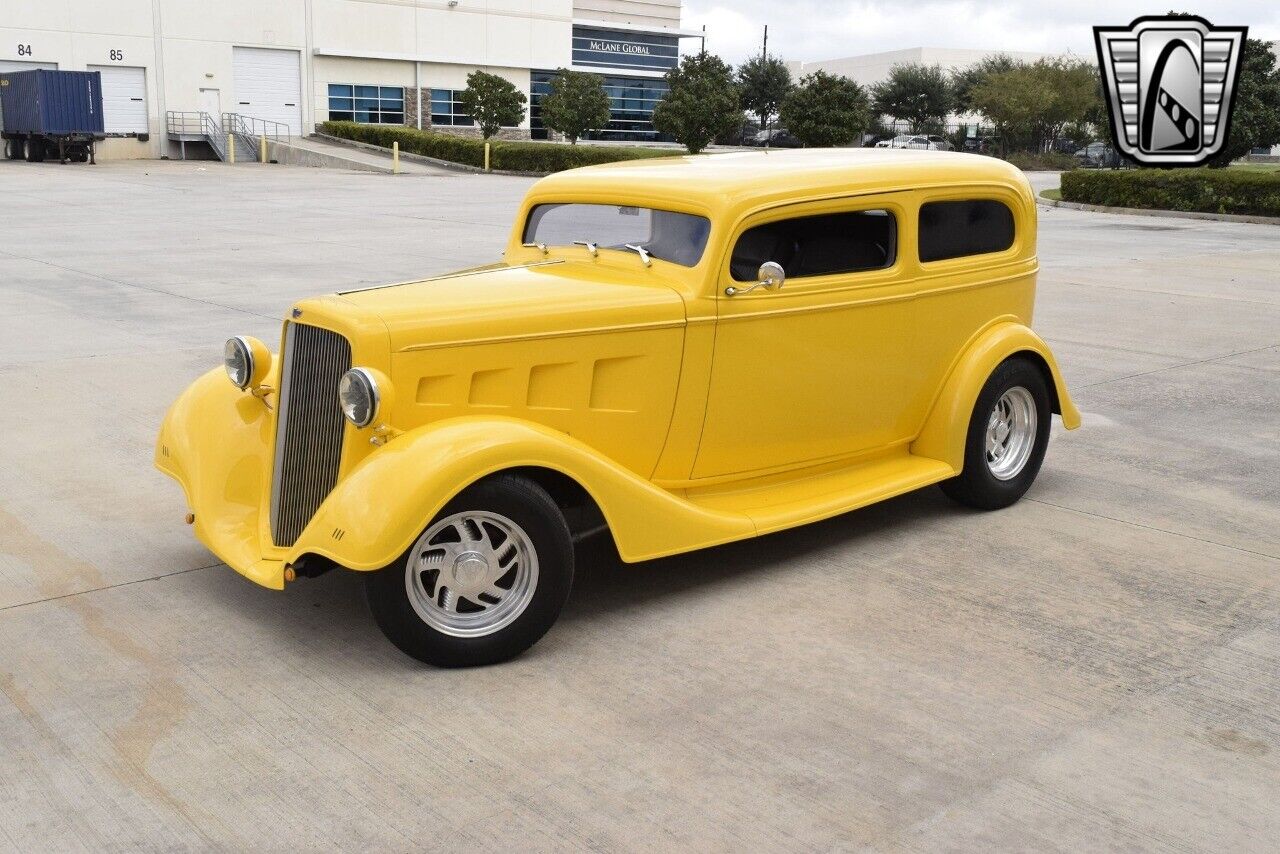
[808, 30]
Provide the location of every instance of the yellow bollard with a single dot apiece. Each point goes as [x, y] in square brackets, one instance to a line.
[395, 157]
[262, 148]
[486, 156]
[231, 149]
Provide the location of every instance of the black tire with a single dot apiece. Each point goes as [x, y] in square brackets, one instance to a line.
[977, 486]
[530, 507]
[35, 150]
[14, 149]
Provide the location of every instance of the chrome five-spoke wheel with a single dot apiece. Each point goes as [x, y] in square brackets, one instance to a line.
[1011, 433]
[471, 574]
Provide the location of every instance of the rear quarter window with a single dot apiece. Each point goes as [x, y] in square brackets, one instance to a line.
[957, 229]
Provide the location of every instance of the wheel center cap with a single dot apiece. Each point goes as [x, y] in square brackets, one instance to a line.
[470, 568]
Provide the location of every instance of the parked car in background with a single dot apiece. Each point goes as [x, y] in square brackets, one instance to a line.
[680, 352]
[1099, 155]
[981, 144]
[922, 141]
[776, 138]
[744, 135]
[1065, 146]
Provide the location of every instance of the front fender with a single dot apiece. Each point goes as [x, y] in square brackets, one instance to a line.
[945, 429]
[376, 512]
[216, 442]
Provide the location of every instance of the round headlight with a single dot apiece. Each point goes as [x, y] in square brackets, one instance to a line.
[237, 356]
[358, 395]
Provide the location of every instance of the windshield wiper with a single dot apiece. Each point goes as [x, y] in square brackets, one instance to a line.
[639, 250]
[591, 246]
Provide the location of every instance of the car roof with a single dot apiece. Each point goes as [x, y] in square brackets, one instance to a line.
[731, 183]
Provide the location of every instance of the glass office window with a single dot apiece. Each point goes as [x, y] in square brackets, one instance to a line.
[375, 105]
[631, 103]
[445, 109]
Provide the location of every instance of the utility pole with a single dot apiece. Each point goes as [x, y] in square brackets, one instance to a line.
[704, 40]
[764, 54]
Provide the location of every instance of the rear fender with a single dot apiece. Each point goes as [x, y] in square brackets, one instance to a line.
[377, 511]
[945, 429]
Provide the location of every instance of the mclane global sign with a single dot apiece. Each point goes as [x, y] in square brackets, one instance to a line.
[1170, 84]
[618, 47]
[625, 51]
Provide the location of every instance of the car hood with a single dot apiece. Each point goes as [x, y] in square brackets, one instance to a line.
[505, 302]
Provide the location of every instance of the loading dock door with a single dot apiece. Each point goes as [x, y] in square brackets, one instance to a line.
[124, 98]
[15, 65]
[268, 86]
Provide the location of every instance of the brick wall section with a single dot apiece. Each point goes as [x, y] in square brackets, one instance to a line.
[411, 108]
[411, 120]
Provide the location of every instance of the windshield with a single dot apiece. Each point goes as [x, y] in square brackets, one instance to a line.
[676, 237]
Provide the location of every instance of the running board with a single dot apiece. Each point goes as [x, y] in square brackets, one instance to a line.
[773, 503]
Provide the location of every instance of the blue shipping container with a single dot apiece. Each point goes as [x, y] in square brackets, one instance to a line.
[52, 103]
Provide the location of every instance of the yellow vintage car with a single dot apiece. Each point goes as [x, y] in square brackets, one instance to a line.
[689, 350]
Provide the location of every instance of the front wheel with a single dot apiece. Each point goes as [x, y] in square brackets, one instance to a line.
[1007, 437]
[483, 583]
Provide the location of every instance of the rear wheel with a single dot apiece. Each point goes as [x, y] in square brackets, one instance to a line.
[14, 149]
[1007, 438]
[484, 581]
[35, 150]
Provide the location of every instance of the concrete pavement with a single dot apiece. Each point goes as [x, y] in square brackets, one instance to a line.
[1093, 668]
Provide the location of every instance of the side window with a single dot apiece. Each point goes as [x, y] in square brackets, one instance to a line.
[822, 245]
[970, 227]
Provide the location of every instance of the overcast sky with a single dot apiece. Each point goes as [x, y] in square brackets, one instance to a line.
[806, 30]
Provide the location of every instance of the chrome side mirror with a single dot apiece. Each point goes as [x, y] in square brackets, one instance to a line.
[770, 276]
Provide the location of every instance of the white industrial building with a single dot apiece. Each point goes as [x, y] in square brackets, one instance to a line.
[300, 62]
[870, 68]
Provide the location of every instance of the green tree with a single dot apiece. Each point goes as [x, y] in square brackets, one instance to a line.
[576, 104]
[1255, 118]
[963, 80]
[1074, 91]
[701, 104]
[918, 94]
[826, 110]
[763, 81]
[1031, 103]
[494, 102]
[1013, 101]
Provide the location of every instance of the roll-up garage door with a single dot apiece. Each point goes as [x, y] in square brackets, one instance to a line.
[268, 85]
[124, 98]
[15, 65]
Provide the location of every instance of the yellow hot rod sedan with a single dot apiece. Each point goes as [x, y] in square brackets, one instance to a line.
[689, 350]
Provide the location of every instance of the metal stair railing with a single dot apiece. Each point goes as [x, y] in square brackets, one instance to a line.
[251, 130]
[191, 126]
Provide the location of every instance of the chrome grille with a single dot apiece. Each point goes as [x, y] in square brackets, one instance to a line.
[309, 427]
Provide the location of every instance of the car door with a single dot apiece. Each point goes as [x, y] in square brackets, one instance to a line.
[822, 367]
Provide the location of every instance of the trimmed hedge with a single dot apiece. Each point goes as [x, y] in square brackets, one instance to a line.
[1225, 191]
[512, 156]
